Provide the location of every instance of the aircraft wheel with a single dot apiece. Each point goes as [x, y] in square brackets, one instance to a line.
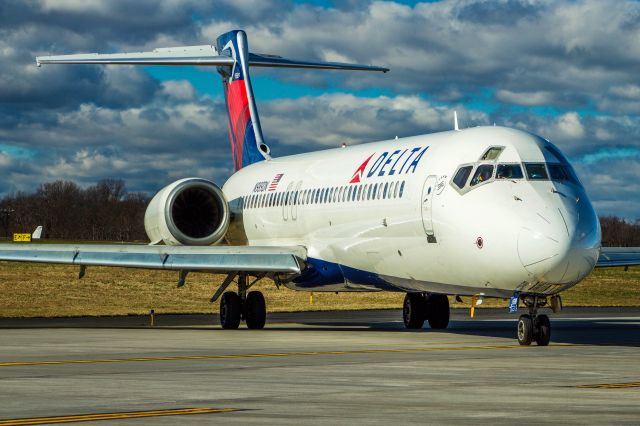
[413, 310]
[255, 310]
[525, 330]
[438, 311]
[543, 330]
[230, 308]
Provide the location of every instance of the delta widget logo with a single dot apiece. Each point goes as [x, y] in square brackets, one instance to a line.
[398, 162]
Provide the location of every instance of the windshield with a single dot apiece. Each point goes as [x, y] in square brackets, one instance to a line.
[483, 174]
[509, 171]
[536, 171]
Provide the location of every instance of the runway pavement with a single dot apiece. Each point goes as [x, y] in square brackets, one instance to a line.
[320, 368]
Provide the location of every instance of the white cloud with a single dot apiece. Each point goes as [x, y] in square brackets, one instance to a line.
[180, 90]
[570, 126]
[5, 159]
[525, 98]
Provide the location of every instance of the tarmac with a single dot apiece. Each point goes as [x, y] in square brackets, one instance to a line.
[356, 367]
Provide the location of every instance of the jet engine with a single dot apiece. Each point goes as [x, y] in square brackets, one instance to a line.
[190, 211]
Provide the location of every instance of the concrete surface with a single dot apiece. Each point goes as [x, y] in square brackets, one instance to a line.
[324, 368]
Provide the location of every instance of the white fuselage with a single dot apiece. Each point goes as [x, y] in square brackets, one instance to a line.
[399, 222]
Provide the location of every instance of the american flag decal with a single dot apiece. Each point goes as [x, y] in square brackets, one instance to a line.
[274, 183]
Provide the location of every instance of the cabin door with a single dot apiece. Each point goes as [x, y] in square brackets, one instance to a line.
[428, 192]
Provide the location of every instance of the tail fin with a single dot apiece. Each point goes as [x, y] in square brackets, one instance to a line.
[37, 234]
[247, 143]
[232, 59]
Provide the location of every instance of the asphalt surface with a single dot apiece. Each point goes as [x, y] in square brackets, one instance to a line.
[320, 368]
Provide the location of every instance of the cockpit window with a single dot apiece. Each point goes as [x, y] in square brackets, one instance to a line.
[460, 179]
[558, 172]
[509, 171]
[492, 153]
[536, 171]
[566, 166]
[483, 173]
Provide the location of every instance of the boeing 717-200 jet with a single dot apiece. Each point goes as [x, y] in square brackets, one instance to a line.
[479, 212]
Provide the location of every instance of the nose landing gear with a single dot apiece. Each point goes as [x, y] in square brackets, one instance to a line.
[534, 327]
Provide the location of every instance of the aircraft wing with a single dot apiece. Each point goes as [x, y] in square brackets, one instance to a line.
[178, 258]
[618, 256]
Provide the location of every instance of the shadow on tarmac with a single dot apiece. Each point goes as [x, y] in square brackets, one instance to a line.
[582, 326]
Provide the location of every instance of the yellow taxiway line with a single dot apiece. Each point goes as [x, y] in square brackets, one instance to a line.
[269, 355]
[113, 416]
[611, 385]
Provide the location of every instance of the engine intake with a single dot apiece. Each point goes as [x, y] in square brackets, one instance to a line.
[190, 212]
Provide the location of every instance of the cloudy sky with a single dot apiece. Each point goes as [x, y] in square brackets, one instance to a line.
[569, 71]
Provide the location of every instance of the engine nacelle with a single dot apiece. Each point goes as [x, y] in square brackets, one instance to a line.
[192, 212]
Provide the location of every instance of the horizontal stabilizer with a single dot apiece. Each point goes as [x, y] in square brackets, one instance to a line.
[186, 55]
[261, 60]
[204, 55]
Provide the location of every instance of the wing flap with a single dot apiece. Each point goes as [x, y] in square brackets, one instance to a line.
[210, 258]
[618, 256]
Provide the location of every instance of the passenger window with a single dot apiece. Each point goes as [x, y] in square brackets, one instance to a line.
[509, 171]
[492, 153]
[483, 173]
[557, 172]
[536, 171]
[460, 179]
[401, 189]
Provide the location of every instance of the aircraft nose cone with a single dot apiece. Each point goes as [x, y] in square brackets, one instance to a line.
[559, 248]
[542, 252]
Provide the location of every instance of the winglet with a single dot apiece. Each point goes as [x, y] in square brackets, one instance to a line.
[455, 121]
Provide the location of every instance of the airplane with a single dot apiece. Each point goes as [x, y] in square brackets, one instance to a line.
[480, 212]
[37, 233]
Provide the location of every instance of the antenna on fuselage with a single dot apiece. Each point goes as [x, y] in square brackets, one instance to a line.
[455, 121]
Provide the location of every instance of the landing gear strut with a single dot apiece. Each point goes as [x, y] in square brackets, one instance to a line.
[235, 307]
[534, 327]
[420, 307]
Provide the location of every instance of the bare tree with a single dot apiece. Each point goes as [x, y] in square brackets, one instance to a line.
[102, 212]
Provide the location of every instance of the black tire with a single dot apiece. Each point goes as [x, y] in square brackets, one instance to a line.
[255, 313]
[525, 330]
[230, 309]
[438, 311]
[413, 310]
[543, 330]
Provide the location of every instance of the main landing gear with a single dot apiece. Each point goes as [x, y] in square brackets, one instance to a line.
[421, 307]
[235, 307]
[534, 327]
